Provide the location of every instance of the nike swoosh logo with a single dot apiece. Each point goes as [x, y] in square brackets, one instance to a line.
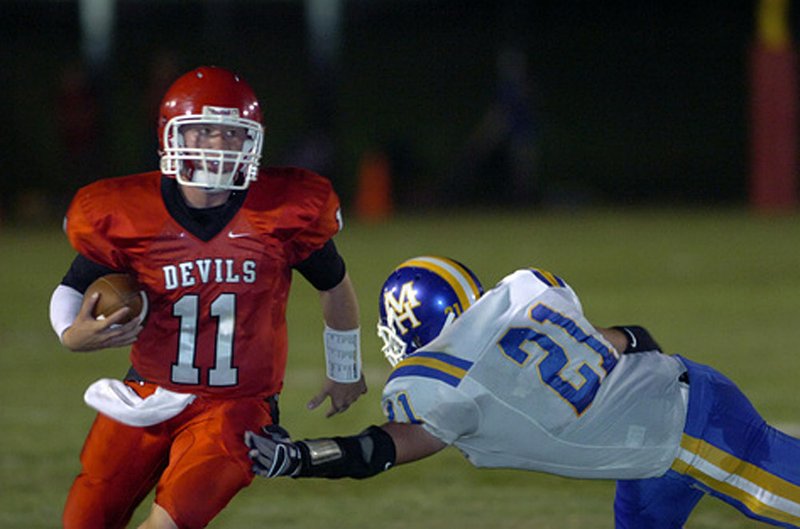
[236, 235]
[632, 338]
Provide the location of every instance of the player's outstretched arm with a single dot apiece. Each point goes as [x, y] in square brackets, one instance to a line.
[412, 442]
[374, 450]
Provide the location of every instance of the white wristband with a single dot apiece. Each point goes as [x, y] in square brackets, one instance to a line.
[343, 354]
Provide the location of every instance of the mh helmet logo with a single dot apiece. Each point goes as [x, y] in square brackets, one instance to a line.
[400, 309]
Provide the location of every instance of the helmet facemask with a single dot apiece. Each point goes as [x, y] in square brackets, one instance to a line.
[395, 349]
[212, 169]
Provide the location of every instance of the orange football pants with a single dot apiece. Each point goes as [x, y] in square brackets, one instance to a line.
[197, 461]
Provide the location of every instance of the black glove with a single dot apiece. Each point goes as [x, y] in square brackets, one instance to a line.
[274, 453]
[639, 339]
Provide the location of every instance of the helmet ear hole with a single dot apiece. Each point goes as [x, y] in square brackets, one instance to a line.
[419, 299]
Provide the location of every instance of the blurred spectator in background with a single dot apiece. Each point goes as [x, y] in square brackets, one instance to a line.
[499, 161]
[78, 120]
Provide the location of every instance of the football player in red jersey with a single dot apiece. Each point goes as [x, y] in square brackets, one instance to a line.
[213, 240]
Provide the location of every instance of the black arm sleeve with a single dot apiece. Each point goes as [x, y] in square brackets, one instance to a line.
[82, 272]
[639, 339]
[358, 456]
[324, 268]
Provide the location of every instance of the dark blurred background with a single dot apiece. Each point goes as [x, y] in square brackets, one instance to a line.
[506, 103]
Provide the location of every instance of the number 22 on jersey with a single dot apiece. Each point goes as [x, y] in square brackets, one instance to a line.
[570, 361]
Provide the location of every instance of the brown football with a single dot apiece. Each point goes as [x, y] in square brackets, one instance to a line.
[117, 291]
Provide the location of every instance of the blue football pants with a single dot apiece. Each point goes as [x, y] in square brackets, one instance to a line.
[727, 451]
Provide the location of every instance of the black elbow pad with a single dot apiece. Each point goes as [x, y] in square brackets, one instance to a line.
[358, 456]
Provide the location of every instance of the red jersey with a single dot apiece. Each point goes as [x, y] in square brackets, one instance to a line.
[217, 319]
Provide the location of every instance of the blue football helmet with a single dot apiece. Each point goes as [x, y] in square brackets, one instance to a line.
[421, 297]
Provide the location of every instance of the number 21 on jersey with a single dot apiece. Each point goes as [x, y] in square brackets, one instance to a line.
[571, 362]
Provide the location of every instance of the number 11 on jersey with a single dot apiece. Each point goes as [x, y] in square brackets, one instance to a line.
[184, 370]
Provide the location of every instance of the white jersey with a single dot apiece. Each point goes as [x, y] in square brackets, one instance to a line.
[522, 380]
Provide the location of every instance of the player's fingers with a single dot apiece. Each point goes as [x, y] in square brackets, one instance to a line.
[339, 403]
[335, 410]
[119, 341]
[129, 332]
[117, 316]
[128, 336]
[120, 344]
[132, 325]
[316, 400]
[88, 306]
[119, 335]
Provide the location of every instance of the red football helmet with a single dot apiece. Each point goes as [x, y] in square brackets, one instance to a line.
[213, 97]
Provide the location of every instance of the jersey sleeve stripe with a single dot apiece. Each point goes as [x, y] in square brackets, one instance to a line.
[446, 358]
[426, 372]
[436, 364]
[547, 278]
[441, 366]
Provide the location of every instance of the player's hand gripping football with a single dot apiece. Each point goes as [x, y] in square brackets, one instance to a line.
[273, 454]
[89, 334]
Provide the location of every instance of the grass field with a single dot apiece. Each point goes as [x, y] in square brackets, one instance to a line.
[720, 286]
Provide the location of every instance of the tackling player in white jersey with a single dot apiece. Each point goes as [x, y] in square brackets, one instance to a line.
[523, 380]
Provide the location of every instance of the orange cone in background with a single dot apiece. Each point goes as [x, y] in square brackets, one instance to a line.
[373, 200]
